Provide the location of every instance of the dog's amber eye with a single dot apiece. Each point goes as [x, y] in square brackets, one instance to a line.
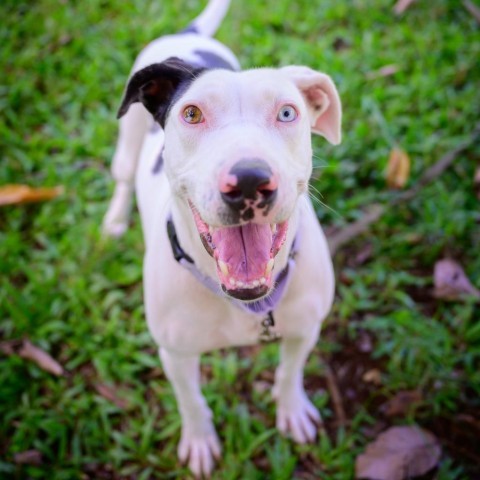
[192, 114]
[287, 114]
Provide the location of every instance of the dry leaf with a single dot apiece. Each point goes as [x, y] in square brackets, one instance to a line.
[385, 71]
[111, 394]
[15, 194]
[402, 402]
[399, 453]
[372, 376]
[450, 281]
[41, 358]
[401, 6]
[398, 168]
[28, 457]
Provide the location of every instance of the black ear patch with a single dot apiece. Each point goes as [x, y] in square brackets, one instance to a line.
[155, 86]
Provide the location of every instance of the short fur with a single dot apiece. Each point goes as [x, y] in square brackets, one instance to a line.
[241, 121]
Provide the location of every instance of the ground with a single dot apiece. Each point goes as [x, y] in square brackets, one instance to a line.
[112, 414]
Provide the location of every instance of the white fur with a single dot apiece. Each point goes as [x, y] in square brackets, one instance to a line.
[184, 317]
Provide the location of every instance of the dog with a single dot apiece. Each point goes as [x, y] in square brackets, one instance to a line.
[221, 160]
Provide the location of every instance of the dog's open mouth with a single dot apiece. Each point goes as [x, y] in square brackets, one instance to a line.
[244, 255]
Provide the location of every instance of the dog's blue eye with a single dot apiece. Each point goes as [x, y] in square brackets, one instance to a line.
[287, 114]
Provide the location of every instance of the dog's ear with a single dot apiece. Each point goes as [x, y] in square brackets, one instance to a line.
[322, 101]
[155, 86]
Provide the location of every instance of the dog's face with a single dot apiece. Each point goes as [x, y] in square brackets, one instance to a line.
[238, 150]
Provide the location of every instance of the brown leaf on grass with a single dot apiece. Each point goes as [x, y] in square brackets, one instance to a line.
[401, 403]
[374, 375]
[17, 194]
[401, 6]
[399, 453]
[111, 394]
[385, 71]
[28, 457]
[41, 358]
[398, 168]
[450, 281]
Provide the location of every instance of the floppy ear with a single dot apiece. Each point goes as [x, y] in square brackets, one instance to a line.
[322, 101]
[155, 86]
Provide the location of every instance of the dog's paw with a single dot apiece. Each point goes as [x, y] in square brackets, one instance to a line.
[200, 452]
[298, 418]
[115, 222]
[113, 229]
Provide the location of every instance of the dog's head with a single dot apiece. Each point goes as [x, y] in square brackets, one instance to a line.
[238, 150]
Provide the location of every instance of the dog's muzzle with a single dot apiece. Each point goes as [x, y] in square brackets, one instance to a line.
[249, 187]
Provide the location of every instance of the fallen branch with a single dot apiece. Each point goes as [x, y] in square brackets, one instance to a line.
[401, 6]
[335, 396]
[473, 9]
[375, 211]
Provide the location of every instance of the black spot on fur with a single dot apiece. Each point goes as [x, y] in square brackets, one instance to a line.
[156, 85]
[157, 168]
[190, 29]
[212, 60]
[248, 214]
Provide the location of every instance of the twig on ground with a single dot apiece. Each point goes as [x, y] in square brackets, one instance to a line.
[335, 396]
[375, 211]
[473, 9]
[401, 6]
[354, 229]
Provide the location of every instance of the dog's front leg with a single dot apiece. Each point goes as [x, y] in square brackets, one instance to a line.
[199, 442]
[296, 415]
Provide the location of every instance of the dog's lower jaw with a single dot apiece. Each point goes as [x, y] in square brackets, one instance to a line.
[247, 294]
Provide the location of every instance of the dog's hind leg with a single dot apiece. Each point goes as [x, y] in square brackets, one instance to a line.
[133, 127]
[296, 415]
[199, 443]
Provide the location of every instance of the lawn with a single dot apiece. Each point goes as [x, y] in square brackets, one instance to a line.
[112, 414]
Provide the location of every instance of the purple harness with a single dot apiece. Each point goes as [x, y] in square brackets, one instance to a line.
[263, 307]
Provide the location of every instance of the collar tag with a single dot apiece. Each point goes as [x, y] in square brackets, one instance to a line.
[268, 335]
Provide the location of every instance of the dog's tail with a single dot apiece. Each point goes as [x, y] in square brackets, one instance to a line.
[209, 20]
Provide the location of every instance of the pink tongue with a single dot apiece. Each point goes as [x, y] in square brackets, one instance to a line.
[245, 249]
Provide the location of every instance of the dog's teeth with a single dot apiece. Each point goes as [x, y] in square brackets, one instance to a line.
[274, 228]
[232, 281]
[263, 281]
[223, 268]
[255, 283]
[269, 268]
[240, 284]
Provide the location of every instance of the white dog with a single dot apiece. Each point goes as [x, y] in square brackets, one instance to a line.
[234, 253]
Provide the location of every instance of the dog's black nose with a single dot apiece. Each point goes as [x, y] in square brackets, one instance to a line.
[249, 183]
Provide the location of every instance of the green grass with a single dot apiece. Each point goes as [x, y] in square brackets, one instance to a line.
[64, 66]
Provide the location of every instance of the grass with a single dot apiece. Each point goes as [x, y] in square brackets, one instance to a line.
[64, 66]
